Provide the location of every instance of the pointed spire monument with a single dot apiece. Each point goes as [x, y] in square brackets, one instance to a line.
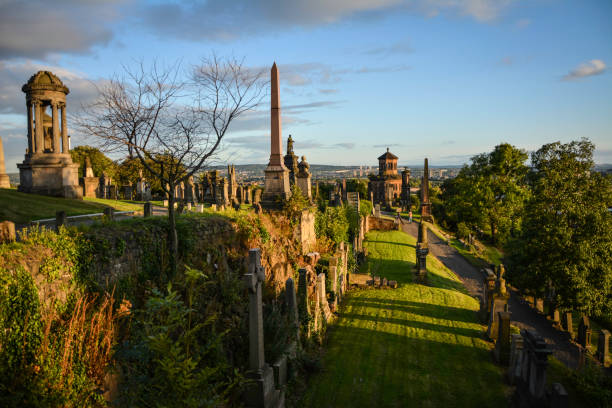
[425, 203]
[4, 178]
[277, 175]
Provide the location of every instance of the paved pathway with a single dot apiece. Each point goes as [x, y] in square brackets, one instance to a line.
[523, 316]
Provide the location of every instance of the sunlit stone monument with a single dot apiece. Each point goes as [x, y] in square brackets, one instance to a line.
[4, 178]
[48, 168]
[277, 175]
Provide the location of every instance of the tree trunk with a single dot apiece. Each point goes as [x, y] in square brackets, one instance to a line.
[172, 235]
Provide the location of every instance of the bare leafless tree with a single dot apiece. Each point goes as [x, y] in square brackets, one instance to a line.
[172, 125]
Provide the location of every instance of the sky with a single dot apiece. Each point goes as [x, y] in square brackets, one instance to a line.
[443, 79]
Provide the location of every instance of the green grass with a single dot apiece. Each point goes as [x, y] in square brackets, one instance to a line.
[22, 208]
[416, 345]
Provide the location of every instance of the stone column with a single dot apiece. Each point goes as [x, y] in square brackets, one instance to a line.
[275, 121]
[603, 348]
[292, 310]
[65, 146]
[39, 140]
[30, 128]
[254, 280]
[502, 346]
[56, 134]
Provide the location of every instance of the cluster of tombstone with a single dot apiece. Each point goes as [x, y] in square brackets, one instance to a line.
[564, 321]
[307, 315]
[103, 186]
[214, 189]
[525, 354]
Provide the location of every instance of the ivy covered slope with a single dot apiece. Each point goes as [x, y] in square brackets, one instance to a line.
[94, 313]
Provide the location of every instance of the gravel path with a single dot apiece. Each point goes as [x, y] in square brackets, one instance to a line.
[523, 316]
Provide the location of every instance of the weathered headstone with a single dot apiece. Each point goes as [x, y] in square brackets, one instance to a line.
[148, 209]
[303, 306]
[325, 312]
[516, 355]
[539, 305]
[502, 345]
[60, 219]
[556, 318]
[261, 391]
[292, 308]
[422, 249]
[7, 232]
[531, 387]
[568, 324]
[584, 332]
[603, 347]
[109, 213]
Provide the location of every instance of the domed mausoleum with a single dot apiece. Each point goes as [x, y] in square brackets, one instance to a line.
[48, 168]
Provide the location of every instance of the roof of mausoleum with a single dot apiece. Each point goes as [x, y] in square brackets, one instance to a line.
[45, 80]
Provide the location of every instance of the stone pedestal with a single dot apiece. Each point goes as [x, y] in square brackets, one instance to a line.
[90, 186]
[50, 174]
[421, 257]
[502, 345]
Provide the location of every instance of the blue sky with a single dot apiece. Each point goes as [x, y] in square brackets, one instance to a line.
[444, 79]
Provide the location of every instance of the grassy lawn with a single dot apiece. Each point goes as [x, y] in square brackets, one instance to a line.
[416, 345]
[22, 208]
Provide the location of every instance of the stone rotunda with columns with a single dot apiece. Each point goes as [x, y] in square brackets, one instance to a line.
[48, 168]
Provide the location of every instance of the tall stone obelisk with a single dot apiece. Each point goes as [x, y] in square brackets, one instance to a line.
[4, 178]
[277, 175]
[425, 203]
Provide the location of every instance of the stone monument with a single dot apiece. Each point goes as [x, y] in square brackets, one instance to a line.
[291, 162]
[303, 179]
[425, 203]
[89, 182]
[4, 178]
[48, 168]
[276, 174]
[405, 196]
[422, 249]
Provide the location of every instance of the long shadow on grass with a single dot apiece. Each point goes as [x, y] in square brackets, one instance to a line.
[459, 331]
[423, 309]
[368, 368]
[392, 243]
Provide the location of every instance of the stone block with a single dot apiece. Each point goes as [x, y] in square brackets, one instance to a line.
[7, 232]
[148, 209]
[603, 348]
[280, 372]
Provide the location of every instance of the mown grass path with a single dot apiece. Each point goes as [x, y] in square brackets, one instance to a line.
[417, 345]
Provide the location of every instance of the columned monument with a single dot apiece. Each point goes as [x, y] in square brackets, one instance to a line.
[425, 203]
[277, 175]
[4, 178]
[47, 168]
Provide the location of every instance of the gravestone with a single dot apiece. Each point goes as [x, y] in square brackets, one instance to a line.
[502, 345]
[499, 303]
[303, 306]
[516, 352]
[531, 387]
[60, 219]
[377, 210]
[325, 312]
[333, 276]
[7, 232]
[261, 391]
[584, 332]
[568, 325]
[148, 209]
[292, 309]
[109, 213]
[422, 249]
[539, 305]
[603, 347]
[556, 318]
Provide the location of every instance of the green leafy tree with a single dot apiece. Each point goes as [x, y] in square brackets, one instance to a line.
[358, 185]
[565, 247]
[489, 194]
[99, 162]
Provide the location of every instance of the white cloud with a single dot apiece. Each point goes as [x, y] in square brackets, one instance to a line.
[38, 28]
[593, 67]
[225, 20]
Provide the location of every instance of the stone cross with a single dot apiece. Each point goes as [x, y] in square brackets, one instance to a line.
[254, 280]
